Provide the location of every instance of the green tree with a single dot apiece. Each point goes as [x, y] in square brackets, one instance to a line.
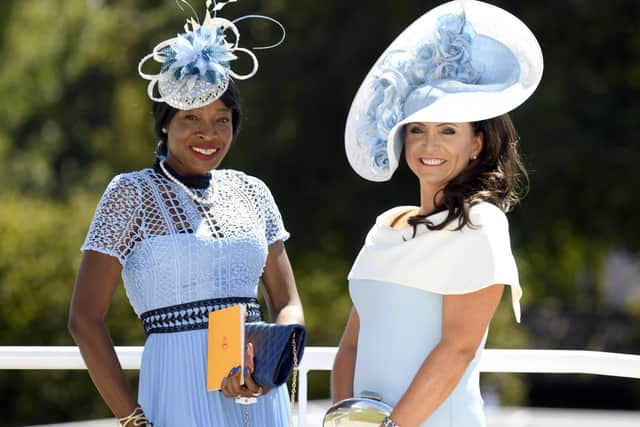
[74, 113]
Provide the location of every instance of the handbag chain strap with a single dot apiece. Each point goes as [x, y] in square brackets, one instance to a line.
[245, 414]
[294, 381]
[294, 376]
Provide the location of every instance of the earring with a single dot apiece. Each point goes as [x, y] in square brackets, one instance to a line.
[164, 130]
[474, 157]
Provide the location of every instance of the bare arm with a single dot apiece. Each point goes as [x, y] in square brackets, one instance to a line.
[345, 362]
[95, 284]
[464, 322]
[279, 284]
[284, 304]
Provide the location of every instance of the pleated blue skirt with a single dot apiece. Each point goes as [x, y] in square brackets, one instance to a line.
[173, 388]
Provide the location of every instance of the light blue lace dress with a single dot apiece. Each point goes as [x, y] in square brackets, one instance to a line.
[175, 251]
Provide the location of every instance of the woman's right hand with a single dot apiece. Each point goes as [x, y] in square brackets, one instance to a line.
[231, 386]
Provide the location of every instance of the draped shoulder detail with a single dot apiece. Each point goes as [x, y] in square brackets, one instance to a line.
[117, 222]
[447, 261]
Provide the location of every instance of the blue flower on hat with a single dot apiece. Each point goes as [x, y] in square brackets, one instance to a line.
[380, 156]
[455, 35]
[391, 86]
[401, 71]
[200, 52]
[195, 66]
[424, 62]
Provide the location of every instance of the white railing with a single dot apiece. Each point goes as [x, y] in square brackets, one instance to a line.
[321, 359]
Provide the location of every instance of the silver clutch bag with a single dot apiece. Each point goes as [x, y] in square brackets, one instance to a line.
[365, 410]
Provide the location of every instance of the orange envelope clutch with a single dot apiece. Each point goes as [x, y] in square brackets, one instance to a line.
[225, 344]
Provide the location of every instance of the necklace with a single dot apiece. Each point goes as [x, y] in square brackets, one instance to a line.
[194, 196]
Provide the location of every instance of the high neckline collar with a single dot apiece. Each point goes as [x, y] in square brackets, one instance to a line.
[192, 181]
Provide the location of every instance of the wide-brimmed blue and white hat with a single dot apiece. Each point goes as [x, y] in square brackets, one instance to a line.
[196, 65]
[463, 61]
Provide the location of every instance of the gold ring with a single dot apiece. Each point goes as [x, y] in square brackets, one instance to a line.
[257, 393]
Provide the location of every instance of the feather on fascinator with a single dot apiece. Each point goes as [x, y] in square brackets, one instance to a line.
[463, 61]
[196, 65]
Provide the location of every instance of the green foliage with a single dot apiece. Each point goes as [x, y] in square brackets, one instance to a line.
[74, 113]
[37, 265]
[39, 255]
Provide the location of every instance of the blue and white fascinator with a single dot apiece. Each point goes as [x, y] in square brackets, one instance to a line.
[196, 65]
[463, 61]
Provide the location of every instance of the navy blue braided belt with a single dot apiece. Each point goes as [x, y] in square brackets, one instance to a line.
[194, 315]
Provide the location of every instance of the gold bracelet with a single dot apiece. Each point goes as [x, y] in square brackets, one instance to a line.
[137, 418]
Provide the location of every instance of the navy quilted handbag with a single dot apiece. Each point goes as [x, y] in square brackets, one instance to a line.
[273, 347]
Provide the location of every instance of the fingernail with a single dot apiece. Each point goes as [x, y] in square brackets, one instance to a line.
[246, 370]
[234, 371]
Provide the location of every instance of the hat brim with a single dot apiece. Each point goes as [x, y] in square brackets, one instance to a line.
[458, 107]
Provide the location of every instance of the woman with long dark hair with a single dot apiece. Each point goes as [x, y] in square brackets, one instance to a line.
[429, 277]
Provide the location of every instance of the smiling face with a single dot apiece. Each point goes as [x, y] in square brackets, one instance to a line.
[438, 152]
[199, 139]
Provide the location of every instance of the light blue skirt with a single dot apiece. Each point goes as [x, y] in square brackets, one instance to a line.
[173, 388]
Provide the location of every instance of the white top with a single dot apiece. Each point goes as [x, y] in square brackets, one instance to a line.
[446, 262]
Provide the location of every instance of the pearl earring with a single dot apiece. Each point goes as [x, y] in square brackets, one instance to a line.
[164, 130]
[474, 157]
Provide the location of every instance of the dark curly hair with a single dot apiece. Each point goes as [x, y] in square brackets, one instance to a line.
[497, 176]
[163, 113]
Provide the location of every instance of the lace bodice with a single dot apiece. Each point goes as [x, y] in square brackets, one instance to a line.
[173, 250]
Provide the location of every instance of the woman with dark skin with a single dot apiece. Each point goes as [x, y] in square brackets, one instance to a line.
[187, 238]
[191, 136]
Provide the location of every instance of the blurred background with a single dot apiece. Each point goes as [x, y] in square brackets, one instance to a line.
[74, 113]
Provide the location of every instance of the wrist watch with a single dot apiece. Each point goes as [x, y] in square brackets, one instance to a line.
[388, 422]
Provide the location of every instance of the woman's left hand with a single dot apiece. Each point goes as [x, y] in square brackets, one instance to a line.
[231, 386]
